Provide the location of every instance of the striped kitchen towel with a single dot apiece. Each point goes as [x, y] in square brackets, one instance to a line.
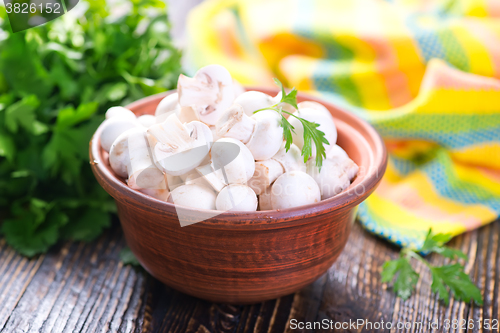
[425, 73]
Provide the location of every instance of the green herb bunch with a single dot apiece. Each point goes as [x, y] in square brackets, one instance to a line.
[56, 82]
[446, 279]
[311, 132]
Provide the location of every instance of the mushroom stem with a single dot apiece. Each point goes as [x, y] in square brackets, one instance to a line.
[234, 123]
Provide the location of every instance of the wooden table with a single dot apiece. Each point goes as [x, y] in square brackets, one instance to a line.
[80, 287]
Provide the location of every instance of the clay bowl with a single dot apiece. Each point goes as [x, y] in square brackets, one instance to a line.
[244, 258]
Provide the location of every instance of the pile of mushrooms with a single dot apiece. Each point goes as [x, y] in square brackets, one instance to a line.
[205, 148]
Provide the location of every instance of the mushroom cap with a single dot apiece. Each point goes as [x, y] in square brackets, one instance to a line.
[119, 111]
[160, 194]
[252, 101]
[238, 163]
[267, 136]
[210, 92]
[234, 123]
[331, 179]
[314, 105]
[168, 104]
[119, 158]
[113, 127]
[147, 120]
[338, 155]
[293, 189]
[326, 125]
[194, 196]
[236, 197]
[291, 159]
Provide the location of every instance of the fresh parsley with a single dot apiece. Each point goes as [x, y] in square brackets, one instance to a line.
[311, 132]
[56, 82]
[446, 279]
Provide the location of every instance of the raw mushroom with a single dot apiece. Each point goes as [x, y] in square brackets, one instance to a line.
[314, 105]
[194, 178]
[167, 106]
[252, 101]
[193, 196]
[173, 181]
[142, 172]
[265, 200]
[267, 136]
[232, 165]
[211, 177]
[234, 123]
[326, 125]
[339, 156]
[331, 179]
[210, 92]
[119, 111]
[119, 158]
[266, 172]
[180, 148]
[147, 120]
[187, 114]
[113, 127]
[293, 189]
[236, 197]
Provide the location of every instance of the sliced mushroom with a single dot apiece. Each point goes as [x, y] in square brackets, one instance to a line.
[113, 127]
[180, 148]
[119, 111]
[210, 92]
[266, 172]
[232, 161]
[194, 196]
[187, 114]
[215, 180]
[326, 125]
[252, 101]
[267, 136]
[331, 179]
[234, 123]
[293, 189]
[236, 197]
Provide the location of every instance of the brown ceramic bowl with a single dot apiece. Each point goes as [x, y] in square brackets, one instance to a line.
[245, 257]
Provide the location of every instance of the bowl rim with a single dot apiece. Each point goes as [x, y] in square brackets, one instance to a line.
[115, 186]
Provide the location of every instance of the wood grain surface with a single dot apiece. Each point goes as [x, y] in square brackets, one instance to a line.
[83, 287]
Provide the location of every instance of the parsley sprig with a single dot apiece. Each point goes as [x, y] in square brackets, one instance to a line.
[446, 279]
[311, 132]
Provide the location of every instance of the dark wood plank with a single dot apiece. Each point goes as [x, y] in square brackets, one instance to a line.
[84, 287]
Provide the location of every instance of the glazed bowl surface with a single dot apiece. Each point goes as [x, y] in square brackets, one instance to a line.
[237, 257]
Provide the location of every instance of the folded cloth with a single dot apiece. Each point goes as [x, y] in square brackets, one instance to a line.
[424, 73]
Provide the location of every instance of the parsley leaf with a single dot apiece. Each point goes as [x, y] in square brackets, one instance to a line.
[311, 132]
[445, 279]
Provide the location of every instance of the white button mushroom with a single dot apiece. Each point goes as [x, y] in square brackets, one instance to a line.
[290, 160]
[232, 161]
[267, 136]
[210, 92]
[194, 196]
[119, 111]
[331, 179]
[142, 172]
[236, 197]
[167, 106]
[252, 101]
[180, 148]
[326, 125]
[119, 158]
[314, 105]
[215, 180]
[266, 172]
[113, 127]
[339, 156]
[234, 123]
[147, 120]
[294, 188]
